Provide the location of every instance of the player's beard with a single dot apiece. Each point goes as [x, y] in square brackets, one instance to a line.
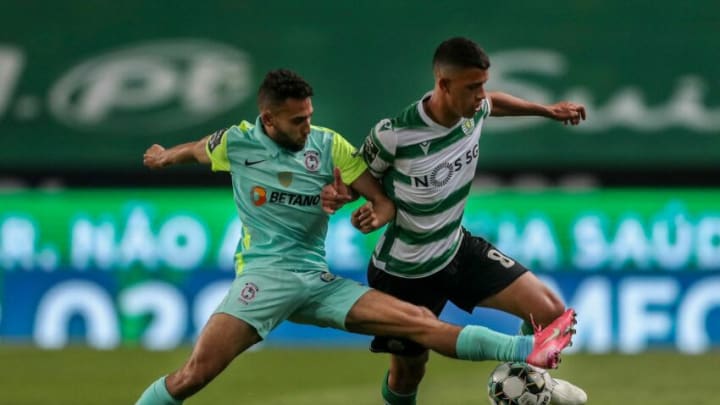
[287, 142]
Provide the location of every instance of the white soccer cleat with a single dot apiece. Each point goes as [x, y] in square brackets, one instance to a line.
[565, 393]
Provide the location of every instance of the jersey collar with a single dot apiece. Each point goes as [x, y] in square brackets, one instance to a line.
[429, 121]
[273, 149]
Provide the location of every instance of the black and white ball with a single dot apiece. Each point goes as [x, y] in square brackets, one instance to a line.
[516, 383]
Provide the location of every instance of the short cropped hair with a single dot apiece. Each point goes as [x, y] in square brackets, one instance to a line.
[460, 52]
[281, 84]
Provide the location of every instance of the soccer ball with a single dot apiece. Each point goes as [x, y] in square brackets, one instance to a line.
[516, 383]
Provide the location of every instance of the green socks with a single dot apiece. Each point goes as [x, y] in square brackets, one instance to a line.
[480, 343]
[157, 394]
[393, 398]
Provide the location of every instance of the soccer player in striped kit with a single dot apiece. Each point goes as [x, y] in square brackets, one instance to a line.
[426, 159]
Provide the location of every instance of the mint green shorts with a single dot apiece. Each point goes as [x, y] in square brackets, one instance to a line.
[266, 298]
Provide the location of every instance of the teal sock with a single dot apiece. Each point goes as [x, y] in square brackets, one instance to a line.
[157, 394]
[480, 343]
[393, 398]
[526, 328]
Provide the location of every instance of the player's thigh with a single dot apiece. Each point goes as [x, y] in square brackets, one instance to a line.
[264, 299]
[377, 313]
[527, 296]
[479, 271]
[424, 291]
[329, 299]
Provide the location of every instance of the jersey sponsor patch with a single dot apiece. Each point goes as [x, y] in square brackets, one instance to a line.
[259, 196]
[301, 200]
[285, 178]
[216, 139]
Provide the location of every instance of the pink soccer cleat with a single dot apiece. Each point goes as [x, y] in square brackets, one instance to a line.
[550, 341]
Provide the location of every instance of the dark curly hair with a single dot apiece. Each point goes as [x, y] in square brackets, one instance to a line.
[460, 52]
[281, 84]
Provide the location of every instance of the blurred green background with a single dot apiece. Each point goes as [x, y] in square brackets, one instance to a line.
[93, 83]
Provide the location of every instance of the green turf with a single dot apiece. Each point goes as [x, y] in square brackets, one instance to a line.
[318, 377]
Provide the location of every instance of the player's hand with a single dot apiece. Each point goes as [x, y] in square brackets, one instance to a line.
[567, 112]
[334, 195]
[364, 218]
[155, 157]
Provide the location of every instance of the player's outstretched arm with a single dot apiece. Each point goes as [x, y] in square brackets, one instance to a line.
[378, 211]
[504, 104]
[157, 157]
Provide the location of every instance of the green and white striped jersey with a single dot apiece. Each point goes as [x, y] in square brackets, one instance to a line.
[427, 170]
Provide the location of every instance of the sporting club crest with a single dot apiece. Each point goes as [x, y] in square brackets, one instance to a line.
[468, 126]
[312, 160]
[248, 293]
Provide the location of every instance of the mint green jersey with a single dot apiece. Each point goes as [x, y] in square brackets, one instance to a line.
[277, 193]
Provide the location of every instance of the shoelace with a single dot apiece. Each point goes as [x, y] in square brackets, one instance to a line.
[537, 328]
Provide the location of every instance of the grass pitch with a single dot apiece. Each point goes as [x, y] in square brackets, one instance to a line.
[335, 376]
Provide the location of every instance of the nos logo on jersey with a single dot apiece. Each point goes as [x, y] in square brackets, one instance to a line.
[441, 174]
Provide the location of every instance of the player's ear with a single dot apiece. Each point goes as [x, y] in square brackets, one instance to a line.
[444, 84]
[266, 118]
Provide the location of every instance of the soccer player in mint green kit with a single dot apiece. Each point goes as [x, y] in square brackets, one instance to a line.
[279, 165]
[426, 159]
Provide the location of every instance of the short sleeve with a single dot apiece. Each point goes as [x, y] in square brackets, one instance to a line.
[378, 149]
[216, 148]
[346, 158]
